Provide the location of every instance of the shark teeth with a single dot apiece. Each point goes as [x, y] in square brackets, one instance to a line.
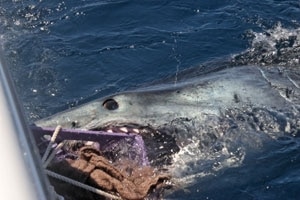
[124, 129]
[135, 130]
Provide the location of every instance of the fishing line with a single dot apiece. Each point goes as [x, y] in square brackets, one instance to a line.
[176, 55]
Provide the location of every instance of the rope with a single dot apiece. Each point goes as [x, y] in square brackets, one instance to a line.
[81, 185]
[57, 130]
[52, 155]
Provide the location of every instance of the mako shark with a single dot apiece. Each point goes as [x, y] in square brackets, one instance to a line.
[212, 113]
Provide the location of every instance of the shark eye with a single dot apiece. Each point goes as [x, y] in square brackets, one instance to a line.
[74, 124]
[110, 104]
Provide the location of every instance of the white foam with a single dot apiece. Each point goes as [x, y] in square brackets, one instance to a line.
[192, 163]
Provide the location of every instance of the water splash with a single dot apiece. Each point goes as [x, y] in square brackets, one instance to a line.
[277, 45]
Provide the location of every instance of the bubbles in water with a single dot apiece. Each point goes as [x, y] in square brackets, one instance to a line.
[17, 23]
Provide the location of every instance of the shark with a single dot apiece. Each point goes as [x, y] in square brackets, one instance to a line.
[213, 116]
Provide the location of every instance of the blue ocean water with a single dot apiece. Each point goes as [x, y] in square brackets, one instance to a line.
[63, 53]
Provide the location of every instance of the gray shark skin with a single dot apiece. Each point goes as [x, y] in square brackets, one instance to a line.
[209, 121]
[211, 94]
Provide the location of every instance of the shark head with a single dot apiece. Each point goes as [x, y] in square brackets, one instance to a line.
[157, 105]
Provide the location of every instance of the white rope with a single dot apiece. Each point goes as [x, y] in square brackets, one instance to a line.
[52, 140]
[52, 155]
[81, 185]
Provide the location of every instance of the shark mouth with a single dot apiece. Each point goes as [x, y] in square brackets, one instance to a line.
[143, 144]
[160, 143]
[102, 140]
